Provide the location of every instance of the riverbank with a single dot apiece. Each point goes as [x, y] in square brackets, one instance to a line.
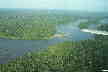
[66, 56]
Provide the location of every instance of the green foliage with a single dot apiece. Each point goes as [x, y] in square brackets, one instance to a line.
[83, 25]
[83, 56]
[87, 23]
[31, 27]
[103, 27]
[103, 45]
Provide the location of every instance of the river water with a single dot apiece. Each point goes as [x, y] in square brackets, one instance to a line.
[10, 49]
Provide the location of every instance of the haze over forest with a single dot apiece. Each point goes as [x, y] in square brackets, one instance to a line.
[82, 5]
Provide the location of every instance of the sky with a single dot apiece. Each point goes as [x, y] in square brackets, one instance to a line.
[85, 5]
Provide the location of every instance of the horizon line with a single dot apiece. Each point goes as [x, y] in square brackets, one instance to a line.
[56, 9]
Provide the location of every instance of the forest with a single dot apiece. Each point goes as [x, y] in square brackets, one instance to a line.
[88, 55]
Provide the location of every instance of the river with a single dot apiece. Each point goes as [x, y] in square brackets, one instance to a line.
[10, 49]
